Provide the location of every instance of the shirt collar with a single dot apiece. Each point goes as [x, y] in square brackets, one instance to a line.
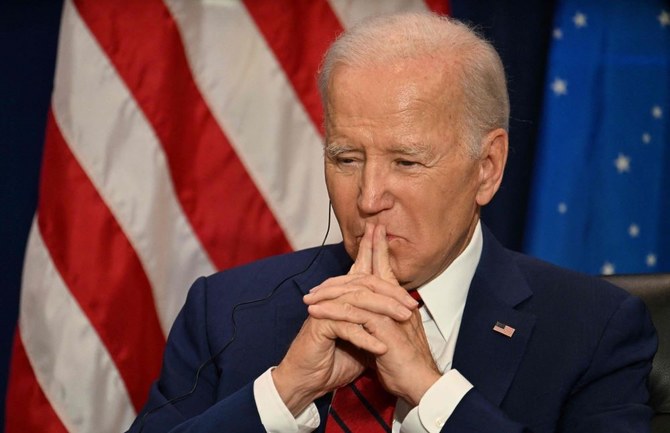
[444, 296]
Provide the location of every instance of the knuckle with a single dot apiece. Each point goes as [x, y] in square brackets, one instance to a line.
[358, 295]
[364, 279]
[386, 321]
[352, 331]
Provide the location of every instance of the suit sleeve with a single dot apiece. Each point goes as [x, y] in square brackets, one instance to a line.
[612, 395]
[171, 406]
[609, 397]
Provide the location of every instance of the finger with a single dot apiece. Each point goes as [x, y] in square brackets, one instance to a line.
[360, 307]
[340, 280]
[403, 338]
[363, 263]
[361, 283]
[381, 262]
[325, 293]
[356, 335]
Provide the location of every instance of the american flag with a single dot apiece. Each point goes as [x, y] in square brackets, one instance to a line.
[504, 329]
[184, 137]
[602, 183]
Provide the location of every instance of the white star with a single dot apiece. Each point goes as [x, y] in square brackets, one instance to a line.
[664, 18]
[651, 260]
[634, 230]
[559, 86]
[607, 269]
[657, 112]
[622, 163]
[562, 208]
[558, 33]
[580, 20]
[646, 138]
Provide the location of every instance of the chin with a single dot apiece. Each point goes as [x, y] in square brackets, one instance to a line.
[405, 278]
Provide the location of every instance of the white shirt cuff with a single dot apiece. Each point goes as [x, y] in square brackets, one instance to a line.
[437, 404]
[275, 416]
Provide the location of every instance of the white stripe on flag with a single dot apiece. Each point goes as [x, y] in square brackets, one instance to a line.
[118, 150]
[351, 11]
[70, 362]
[252, 100]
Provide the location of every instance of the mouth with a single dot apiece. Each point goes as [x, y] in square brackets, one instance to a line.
[389, 237]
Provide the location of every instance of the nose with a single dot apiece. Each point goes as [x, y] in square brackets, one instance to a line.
[374, 195]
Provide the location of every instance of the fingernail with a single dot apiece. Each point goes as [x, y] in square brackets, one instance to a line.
[411, 301]
[403, 313]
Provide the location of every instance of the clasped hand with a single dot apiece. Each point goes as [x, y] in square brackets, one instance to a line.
[364, 319]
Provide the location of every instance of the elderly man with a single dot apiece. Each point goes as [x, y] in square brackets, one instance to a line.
[416, 141]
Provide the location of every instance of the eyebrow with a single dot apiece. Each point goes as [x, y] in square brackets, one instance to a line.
[412, 149]
[333, 149]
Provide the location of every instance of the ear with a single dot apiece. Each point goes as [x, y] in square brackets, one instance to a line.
[492, 164]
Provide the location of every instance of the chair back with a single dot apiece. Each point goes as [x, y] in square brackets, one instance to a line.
[654, 290]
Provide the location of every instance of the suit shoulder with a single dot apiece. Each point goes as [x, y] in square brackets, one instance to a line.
[564, 285]
[330, 258]
[579, 309]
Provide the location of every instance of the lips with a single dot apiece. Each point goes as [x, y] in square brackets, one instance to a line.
[359, 233]
[389, 237]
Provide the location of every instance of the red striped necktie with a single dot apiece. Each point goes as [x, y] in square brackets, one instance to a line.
[363, 406]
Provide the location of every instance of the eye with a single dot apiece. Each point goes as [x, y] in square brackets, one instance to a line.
[406, 163]
[344, 160]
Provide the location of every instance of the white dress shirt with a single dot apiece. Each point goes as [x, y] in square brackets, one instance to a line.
[444, 301]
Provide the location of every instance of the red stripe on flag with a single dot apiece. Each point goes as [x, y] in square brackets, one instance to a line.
[226, 210]
[27, 409]
[99, 266]
[299, 33]
[439, 6]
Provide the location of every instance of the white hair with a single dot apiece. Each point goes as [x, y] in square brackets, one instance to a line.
[391, 39]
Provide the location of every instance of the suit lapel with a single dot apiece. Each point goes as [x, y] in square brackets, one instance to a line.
[489, 359]
[332, 260]
[290, 312]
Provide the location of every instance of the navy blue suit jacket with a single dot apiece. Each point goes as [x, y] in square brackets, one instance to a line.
[578, 361]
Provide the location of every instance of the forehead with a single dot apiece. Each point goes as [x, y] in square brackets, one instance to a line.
[411, 103]
[400, 85]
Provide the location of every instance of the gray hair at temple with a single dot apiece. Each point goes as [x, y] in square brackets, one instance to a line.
[390, 39]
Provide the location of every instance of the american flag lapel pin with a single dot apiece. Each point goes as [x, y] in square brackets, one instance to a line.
[503, 329]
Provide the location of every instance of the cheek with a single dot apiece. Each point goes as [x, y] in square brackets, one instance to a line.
[436, 213]
[341, 191]
[343, 199]
[340, 200]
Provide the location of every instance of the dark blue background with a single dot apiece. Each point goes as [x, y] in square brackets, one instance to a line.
[28, 42]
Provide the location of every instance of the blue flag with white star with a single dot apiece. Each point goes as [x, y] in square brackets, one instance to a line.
[600, 201]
